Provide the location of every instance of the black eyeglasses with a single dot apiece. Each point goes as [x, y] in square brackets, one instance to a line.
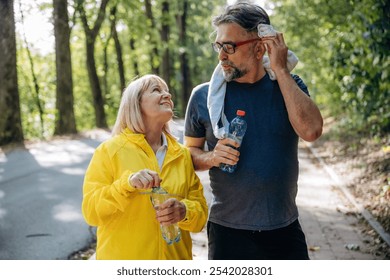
[230, 47]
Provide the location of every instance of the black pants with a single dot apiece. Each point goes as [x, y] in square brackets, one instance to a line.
[286, 243]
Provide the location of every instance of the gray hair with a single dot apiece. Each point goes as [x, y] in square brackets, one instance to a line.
[245, 14]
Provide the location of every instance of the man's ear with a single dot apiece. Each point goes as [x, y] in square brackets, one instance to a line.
[260, 49]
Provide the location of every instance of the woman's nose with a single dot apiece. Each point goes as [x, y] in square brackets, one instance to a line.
[166, 94]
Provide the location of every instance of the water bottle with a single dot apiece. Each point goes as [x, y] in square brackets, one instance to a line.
[171, 233]
[237, 131]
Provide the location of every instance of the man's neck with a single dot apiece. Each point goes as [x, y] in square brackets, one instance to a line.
[253, 76]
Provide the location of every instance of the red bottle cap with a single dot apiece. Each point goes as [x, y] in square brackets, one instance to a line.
[240, 113]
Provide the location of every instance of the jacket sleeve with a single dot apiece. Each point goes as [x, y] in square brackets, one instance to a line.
[196, 205]
[103, 196]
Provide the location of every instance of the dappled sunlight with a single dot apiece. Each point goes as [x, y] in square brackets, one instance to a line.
[3, 161]
[3, 212]
[66, 212]
[313, 180]
[54, 154]
[72, 171]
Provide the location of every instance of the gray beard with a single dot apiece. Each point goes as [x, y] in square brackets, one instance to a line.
[234, 74]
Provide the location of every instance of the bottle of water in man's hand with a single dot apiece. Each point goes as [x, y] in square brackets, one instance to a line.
[237, 131]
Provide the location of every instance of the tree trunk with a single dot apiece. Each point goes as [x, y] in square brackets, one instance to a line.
[98, 101]
[118, 48]
[184, 65]
[65, 119]
[105, 67]
[10, 119]
[135, 61]
[165, 67]
[91, 34]
[154, 57]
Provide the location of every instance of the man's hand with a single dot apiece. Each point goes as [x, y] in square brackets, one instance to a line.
[222, 153]
[225, 152]
[277, 52]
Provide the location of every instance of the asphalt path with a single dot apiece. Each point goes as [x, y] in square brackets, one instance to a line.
[40, 199]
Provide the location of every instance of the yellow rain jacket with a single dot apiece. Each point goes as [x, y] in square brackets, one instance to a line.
[125, 218]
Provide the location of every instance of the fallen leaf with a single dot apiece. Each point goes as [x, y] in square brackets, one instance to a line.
[314, 248]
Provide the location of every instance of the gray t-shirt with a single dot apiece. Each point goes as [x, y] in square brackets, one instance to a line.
[260, 194]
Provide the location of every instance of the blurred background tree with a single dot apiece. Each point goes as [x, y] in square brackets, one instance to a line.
[10, 120]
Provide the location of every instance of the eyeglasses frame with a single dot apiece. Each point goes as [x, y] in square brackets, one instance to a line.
[218, 46]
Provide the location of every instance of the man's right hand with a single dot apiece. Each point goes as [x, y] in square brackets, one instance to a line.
[222, 153]
[225, 152]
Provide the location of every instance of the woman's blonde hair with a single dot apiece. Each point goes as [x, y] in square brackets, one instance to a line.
[129, 113]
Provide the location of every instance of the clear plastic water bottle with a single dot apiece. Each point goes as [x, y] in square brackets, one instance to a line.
[171, 233]
[237, 131]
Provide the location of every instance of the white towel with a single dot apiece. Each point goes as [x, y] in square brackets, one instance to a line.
[217, 89]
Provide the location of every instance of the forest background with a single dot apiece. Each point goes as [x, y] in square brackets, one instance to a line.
[100, 46]
[75, 83]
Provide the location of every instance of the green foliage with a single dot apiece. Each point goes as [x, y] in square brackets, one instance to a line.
[344, 47]
[44, 66]
[132, 24]
[364, 51]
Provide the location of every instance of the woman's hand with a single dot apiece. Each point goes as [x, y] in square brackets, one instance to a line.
[145, 179]
[170, 212]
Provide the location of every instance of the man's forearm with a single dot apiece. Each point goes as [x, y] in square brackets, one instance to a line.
[304, 115]
[201, 159]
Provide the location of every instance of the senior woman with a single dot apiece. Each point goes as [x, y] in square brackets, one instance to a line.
[142, 154]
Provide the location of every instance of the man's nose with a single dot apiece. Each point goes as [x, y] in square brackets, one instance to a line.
[222, 55]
